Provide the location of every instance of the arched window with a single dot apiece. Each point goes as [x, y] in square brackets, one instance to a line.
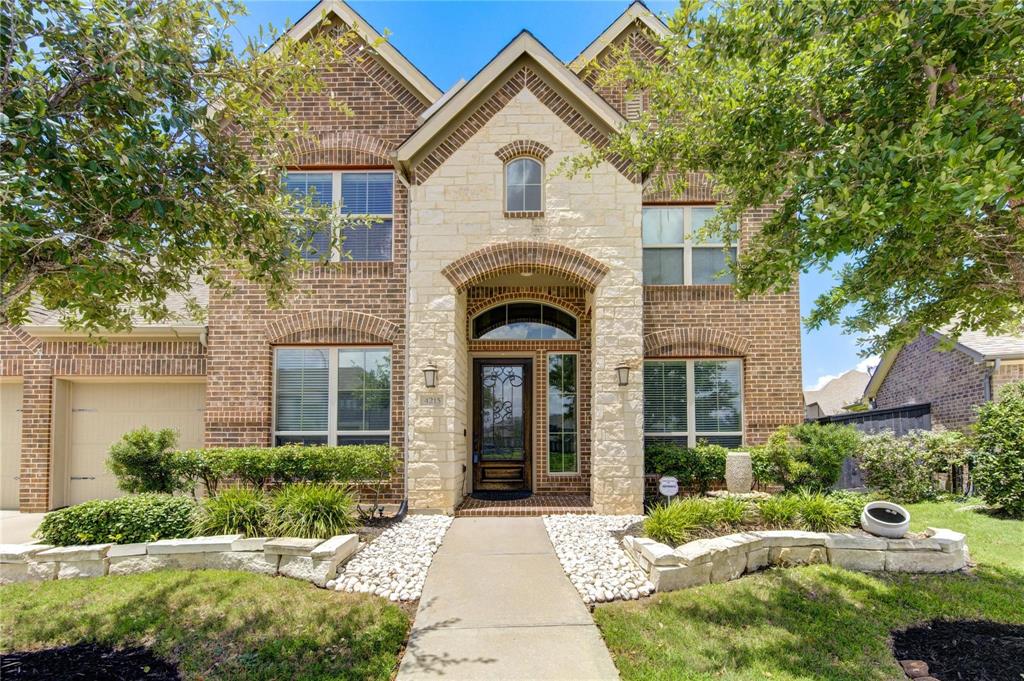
[524, 321]
[523, 185]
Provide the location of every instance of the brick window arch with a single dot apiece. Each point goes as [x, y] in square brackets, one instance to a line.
[536, 256]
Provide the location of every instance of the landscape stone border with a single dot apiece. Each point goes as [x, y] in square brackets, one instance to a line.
[721, 559]
[311, 560]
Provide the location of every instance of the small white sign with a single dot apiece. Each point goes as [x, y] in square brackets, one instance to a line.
[668, 486]
[431, 400]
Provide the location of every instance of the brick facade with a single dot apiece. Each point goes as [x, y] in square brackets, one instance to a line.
[953, 382]
[455, 253]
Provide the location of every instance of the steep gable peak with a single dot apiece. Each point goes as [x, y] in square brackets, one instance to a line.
[412, 77]
[636, 13]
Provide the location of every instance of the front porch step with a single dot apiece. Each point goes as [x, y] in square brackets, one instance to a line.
[535, 505]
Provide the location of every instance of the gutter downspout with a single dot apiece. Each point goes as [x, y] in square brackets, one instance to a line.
[988, 384]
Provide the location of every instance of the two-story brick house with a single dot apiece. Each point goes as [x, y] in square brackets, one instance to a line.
[503, 325]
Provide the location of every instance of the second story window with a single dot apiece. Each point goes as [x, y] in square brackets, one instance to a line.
[366, 198]
[672, 253]
[523, 186]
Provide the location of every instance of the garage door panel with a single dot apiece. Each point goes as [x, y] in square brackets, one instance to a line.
[10, 443]
[102, 412]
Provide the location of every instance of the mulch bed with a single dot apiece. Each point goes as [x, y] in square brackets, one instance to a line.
[86, 661]
[965, 650]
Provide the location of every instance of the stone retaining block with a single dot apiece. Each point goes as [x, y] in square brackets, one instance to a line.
[721, 559]
[310, 560]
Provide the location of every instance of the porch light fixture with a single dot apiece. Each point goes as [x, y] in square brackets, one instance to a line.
[623, 372]
[430, 375]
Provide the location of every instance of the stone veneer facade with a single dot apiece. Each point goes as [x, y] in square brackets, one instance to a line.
[456, 252]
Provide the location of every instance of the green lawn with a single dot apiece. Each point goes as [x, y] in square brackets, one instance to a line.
[213, 624]
[816, 622]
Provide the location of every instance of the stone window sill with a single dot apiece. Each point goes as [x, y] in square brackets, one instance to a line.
[524, 213]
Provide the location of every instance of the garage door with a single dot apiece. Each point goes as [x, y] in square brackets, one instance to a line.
[102, 412]
[10, 443]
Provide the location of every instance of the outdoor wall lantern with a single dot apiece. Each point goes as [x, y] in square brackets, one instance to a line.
[623, 372]
[430, 375]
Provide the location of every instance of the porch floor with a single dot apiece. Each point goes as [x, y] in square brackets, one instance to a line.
[533, 505]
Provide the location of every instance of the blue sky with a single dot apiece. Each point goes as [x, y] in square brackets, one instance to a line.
[452, 40]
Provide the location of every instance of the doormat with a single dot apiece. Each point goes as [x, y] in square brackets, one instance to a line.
[501, 496]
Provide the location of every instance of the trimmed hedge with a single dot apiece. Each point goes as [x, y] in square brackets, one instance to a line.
[999, 468]
[125, 520]
[142, 461]
[695, 468]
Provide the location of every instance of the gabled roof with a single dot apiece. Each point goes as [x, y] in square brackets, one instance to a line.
[523, 45]
[638, 11]
[979, 346]
[838, 393]
[403, 68]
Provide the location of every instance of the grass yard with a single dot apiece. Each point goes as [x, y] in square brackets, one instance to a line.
[213, 624]
[816, 622]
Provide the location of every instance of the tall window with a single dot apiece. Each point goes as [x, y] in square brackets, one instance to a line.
[563, 437]
[674, 255]
[523, 186]
[365, 197]
[687, 401]
[332, 395]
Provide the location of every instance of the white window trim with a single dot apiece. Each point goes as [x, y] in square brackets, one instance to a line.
[332, 431]
[336, 202]
[504, 183]
[691, 433]
[688, 243]
[525, 300]
[547, 416]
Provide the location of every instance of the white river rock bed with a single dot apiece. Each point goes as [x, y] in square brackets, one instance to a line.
[594, 560]
[394, 565]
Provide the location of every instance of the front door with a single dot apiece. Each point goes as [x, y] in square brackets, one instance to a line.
[502, 432]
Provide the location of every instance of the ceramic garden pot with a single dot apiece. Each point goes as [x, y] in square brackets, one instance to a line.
[739, 473]
[885, 519]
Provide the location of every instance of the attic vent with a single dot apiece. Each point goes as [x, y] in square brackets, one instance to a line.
[634, 106]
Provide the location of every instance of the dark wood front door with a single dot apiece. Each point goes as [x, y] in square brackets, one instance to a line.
[502, 428]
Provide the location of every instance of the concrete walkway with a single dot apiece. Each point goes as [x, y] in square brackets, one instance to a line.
[17, 528]
[496, 605]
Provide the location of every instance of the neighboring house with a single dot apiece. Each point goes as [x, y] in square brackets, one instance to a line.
[953, 380]
[836, 395]
[526, 293]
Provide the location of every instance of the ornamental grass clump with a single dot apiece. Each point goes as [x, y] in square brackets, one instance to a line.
[780, 511]
[234, 510]
[820, 512]
[312, 511]
[678, 520]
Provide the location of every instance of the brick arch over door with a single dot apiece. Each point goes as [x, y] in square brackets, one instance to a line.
[690, 342]
[516, 256]
[331, 326]
[343, 148]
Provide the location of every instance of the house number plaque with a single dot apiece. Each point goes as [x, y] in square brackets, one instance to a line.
[431, 400]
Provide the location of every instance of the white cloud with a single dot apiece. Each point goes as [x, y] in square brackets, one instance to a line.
[864, 365]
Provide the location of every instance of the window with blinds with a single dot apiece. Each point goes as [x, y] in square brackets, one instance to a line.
[674, 255]
[563, 438]
[332, 395]
[365, 197]
[688, 401]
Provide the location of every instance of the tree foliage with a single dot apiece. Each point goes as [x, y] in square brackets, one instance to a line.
[888, 134]
[140, 148]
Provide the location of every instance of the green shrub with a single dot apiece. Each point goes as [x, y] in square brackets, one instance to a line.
[142, 461]
[731, 511]
[999, 466]
[901, 468]
[764, 469]
[125, 520]
[312, 510]
[809, 455]
[780, 511]
[852, 503]
[259, 467]
[234, 510]
[695, 468]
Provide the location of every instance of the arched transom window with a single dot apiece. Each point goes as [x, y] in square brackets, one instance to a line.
[524, 321]
[523, 185]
